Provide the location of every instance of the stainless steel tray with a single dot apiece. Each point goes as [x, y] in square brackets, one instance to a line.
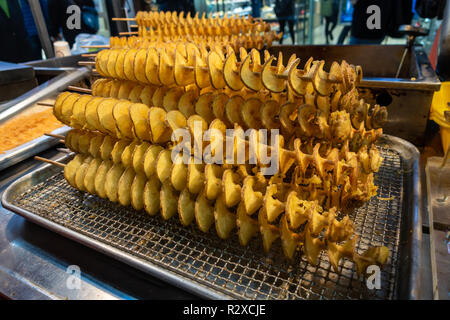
[213, 268]
[31, 148]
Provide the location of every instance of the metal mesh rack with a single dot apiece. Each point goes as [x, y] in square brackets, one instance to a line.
[225, 267]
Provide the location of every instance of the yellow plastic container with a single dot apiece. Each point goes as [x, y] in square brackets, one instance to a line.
[440, 104]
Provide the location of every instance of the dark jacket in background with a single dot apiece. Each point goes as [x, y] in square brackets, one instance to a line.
[285, 9]
[13, 35]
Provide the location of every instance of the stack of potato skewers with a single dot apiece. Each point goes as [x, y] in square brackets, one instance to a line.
[125, 133]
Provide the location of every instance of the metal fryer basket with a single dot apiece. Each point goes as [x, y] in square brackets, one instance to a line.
[211, 267]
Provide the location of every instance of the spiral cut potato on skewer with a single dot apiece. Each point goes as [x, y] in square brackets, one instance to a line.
[300, 224]
[123, 119]
[223, 70]
[201, 25]
[343, 183]
[130, 150]
[260, 111]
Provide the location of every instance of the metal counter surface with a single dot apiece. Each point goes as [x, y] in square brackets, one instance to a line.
[34, 262]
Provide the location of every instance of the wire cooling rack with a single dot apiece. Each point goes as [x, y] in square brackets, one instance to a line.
[223, 268]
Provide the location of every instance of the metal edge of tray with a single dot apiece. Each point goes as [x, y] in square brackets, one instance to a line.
[163, 274]
[410, 234]
[410, 246]
[30, 148]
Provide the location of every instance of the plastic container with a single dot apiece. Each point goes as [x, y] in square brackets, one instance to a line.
[440, 104]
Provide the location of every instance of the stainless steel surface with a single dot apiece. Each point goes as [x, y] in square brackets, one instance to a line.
[408, 98]
[31, 148]
[41, 27]
[59, 83]
[213, 268]
[34, 260]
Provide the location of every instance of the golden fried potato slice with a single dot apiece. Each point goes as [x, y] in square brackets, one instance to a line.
[215, 64]
[269, 114]
[203, 106]
[186, 207]
[120, 62]
[183, 69]
[98, 87]
[147, 95]
[252, 198]
[67, 107]
[138, 113]
[164, 164]
[139, 65]
[115, 88]
[297, 78]
[289, 239]
[201, 72]
[91, 172]
[151, 196]
[125, 89]
[231, 188]
[218, 107]
[195, 177]
[150, 158]
[178, 175]
[81, 173]
[213, 181]
[250, 71]
[92, 121]
[175, 120]
[169, 200]
[204, 212]
[247, 227]
[117, 151]
[137, 191]
[122, 119]
[99, 61]
[158, 96]
[231, 73]
[105, 117]
[233, 110]
[251, 113]
[124, 187]
[100, 178]
[71, 140]
[58, 104]
[152, 66]
[171, 98]
[135, 94]
[160, 132]
[112, 182]
[138, 157]
[128, 66]
[268, 231]
[166, 67]
[107, 147]
[127, 154]
[70, 170]
[224, 219]
[84, 139]
[288, 114]
[187, 101]
[111, 63]
[78, 119]
[95, 144]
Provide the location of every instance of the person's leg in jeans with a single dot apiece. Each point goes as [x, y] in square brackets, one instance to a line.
[327, 24]
[333, 22]
[291, 30]
[282, 24]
